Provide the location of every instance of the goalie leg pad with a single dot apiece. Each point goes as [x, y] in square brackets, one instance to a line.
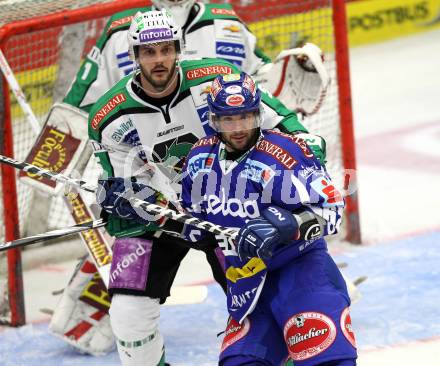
[135, 321]
[80, 317]
[130, 262]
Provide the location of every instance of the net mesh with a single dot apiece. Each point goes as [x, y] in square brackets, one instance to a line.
[15, 10]
[284, 24]
[299, 22]
[44, 63]
[44, 71]
[39, 75]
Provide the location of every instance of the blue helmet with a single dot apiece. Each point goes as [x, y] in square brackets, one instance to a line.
[233, 94]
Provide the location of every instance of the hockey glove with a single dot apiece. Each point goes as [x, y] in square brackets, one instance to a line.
[260, 236]
[112, 195]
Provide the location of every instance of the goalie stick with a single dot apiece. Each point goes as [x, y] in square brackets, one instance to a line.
[19, 95]
[53, 234]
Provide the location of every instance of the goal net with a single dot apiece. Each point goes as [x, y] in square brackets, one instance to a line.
[44, 50]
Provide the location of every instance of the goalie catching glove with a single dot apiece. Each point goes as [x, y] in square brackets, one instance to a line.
[298, 78]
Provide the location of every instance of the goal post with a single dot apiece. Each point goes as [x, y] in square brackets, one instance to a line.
[353, 230]
[14, 285]
[284, 24]
[31, 37]
[31, 25]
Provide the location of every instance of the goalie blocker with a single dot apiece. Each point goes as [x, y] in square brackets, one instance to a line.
[62, 146]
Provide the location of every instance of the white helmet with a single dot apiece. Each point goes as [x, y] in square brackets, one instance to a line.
[179, 9]
[153, 27]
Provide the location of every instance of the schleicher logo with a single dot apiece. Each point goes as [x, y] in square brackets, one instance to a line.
[308, 334]
[347, 328]
[235, 100]
[155, 35]
[234, 332]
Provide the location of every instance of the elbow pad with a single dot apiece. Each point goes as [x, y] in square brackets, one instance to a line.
[303, 225]
[309, 226]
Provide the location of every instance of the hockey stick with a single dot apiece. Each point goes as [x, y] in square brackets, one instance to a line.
[53, 234]
[149, 208]
[19, 95]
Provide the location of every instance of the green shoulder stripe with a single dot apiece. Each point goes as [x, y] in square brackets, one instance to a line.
[196, 72]
[107, 106]
[218, 11]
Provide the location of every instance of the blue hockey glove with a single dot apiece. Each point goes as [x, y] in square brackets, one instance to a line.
[260, 236]
[112, 195]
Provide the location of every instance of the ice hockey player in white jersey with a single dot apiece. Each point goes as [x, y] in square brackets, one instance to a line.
[141, 131]
[285, 295]
[208, 30]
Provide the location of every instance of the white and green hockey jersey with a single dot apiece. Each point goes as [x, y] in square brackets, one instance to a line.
[135, 135]
[212, 30]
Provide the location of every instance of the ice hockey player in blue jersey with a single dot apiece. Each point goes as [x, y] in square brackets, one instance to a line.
[286, 297]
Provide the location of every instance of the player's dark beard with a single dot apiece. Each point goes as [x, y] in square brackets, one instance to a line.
[160, 86]
[251, 142]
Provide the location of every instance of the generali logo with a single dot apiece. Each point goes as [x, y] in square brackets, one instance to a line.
[207, 141]
[208, 70]
[277, 152]
[219, 11]
[104, 111]
[119, 22]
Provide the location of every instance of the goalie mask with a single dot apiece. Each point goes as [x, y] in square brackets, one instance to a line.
[153, 27]
[178, 8]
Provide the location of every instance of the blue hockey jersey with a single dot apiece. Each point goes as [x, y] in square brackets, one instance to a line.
[279, 170]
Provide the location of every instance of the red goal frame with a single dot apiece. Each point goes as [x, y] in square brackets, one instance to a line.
[353, 235]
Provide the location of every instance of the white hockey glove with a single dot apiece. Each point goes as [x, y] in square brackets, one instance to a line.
[298, 78]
